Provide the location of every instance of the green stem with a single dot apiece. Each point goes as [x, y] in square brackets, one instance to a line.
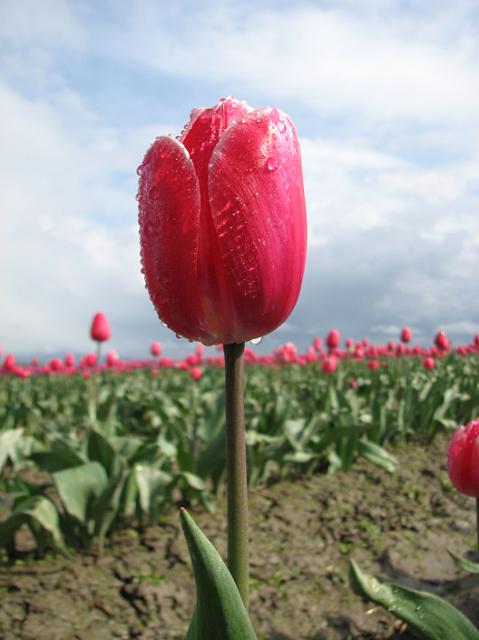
[237, 494]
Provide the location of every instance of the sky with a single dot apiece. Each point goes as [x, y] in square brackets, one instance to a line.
[384, 95]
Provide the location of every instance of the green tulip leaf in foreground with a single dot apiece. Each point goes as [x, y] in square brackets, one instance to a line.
[464, 563]
[220, 613]
[434, 617]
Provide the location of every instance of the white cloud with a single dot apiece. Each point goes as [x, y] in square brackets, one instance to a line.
[367, 65]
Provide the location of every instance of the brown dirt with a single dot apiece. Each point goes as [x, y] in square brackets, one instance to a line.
[303, 532]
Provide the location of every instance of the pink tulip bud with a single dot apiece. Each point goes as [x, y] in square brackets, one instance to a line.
[329, 365]
[9, 362]
[223, 223]
[56, 365]
[317, 344]
[463, 459]
[441, 341]
[90, 360]
[69, 360]
[373, 365]
[112, 357]
[100, 328]
[333, 339]
[155, 349]
[196, 373]
[406, 334]
[429, 363]
[349, 342]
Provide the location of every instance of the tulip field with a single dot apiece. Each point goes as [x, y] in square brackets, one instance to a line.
[97, 454]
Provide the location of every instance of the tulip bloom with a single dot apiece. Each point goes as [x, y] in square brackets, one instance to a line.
[100, 328]
[222, 220]
[333, 339]
[429, 363]
[463, 459]
[441, 341]
[155, 349]
[406, 334]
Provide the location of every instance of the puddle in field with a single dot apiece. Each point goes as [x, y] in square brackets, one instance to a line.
[302, 534]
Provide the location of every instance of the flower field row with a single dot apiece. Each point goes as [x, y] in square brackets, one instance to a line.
[81, 455]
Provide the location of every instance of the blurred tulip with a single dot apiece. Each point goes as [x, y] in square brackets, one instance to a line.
[223, 223]
[100, 328]
[463, 459]
[441, 341]
[196, 373]
[155, 349]
[333, 339]
[406, 334]
[429, 363]
[329, 365]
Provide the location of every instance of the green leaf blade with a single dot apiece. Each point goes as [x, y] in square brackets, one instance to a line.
[434, 617]
[220, 613]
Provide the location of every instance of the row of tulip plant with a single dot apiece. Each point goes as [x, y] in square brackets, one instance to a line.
[330, 355]
[150, 441]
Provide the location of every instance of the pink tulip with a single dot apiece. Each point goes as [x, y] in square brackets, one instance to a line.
[333, 339]
[56, 365]
[155, 349]
[112, 357]
[9, 362]
[196, 373]
[373, 365]
[463, 459]
[429, 363]
[317, 344]
[349, 343]
[223, 223]
[329, 365]
[406, 334]
[441, 341]
[69, 360]
[100, 328]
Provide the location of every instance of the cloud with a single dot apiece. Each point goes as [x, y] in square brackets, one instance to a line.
[386, 101]
[366, 65]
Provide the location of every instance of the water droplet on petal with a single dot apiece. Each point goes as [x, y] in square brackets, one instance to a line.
[271, 164]
[281, 126]
[163, 324]
[178, 336]
[257, 340]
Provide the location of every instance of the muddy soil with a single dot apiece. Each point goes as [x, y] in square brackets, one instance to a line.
[303, 532]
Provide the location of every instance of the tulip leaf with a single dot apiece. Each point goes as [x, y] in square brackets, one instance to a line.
[375, 454]
[464, 563]
[79, 487]
[220, 613]
[434, 617]
[41, 515]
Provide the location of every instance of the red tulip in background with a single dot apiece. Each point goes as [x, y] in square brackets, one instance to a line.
[463, 459]
[155, 349]
[333, 339]
[100, 328]
[406, 334]
[441, 341]
[222, 222]
[429, 363]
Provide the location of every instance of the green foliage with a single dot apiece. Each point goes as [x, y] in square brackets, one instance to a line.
[434, 617]
[160, 440]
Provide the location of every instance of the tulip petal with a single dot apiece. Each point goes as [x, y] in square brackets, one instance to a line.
[169, 218]
[258, 210]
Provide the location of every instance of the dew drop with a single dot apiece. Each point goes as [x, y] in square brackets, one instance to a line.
[257, 340]
[281, 126]
[271, 164]
[178, 336]
[163, 324]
